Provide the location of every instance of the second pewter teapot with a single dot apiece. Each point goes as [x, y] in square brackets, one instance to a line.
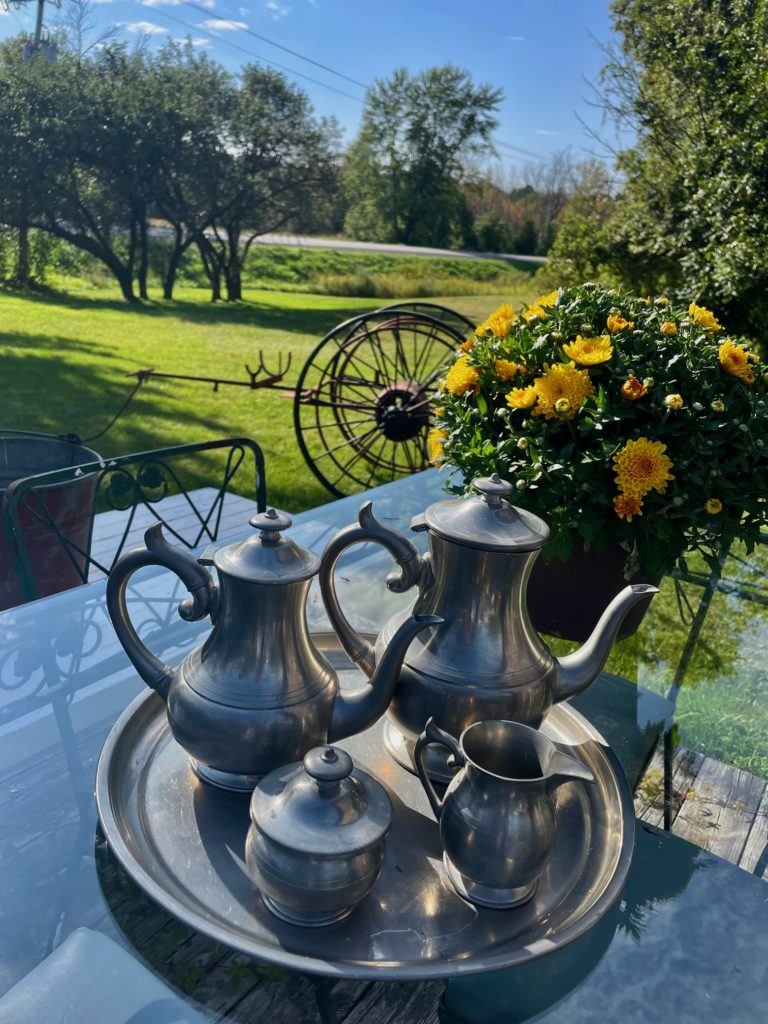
[484, 660]
[257, 694]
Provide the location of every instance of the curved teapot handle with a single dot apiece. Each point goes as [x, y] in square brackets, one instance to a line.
[404, 553]
[195, 577]
[433, 734]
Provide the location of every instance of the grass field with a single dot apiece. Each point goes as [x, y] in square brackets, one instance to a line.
[63, 360]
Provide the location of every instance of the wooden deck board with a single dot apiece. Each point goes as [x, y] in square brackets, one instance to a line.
[719, 815]
[755, 855]
[716, 806]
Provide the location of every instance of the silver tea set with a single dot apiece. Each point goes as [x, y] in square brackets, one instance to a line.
[463, 679]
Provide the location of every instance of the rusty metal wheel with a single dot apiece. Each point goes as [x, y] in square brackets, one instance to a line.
[363, 398]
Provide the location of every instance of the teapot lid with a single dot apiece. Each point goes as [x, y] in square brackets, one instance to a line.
[323, 806]
[267, 557]
[487, 520]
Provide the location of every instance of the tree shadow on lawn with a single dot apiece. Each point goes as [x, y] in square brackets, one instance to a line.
[308, 320]
[50, 392]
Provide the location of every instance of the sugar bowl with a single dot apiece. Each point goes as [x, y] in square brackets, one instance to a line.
[316, 843]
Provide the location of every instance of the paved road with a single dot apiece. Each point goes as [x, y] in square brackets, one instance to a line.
[304, 241]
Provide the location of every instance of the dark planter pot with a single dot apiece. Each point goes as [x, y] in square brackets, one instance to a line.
[566, 598]
[70, 505]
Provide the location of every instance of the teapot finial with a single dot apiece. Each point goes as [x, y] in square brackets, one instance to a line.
[270, 524]
[493, 489]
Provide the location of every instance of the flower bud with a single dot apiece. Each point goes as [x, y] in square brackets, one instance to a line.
[717, 405]
[674, 402]
[522, 442]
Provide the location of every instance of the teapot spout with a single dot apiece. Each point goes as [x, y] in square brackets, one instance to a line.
[576, 671]
[356, 710]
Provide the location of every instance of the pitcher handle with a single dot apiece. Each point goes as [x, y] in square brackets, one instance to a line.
[367, 528]
[433, 734]
[201, 602]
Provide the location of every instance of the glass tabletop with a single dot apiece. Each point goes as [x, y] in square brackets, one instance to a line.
[67, 906]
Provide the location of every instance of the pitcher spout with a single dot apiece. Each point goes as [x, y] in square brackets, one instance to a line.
[576, 671]
[356, 710]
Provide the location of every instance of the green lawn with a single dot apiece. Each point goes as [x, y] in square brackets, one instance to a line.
[63, 361]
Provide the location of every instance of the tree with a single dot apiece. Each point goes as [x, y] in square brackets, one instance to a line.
[403, 172]
[192, 95]
[76, 130]
[273, 158]
[688, 78]
[583, 249]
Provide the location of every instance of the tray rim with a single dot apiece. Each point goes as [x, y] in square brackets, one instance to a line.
[339, 968]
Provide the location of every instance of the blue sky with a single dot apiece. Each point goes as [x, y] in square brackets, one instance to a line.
[538, 51]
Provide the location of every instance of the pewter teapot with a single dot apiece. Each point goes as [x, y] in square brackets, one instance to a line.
[484, 660]
[257, 694]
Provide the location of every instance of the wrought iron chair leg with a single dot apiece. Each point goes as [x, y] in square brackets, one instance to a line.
[324, 1000]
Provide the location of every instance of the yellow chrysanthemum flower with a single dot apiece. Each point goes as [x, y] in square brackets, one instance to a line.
[674, 402]
[561, 380]
[713, 506]
[461, 377]
[669, 327]
[627, 505]
[538, 309]
[521, 398]
[505, 369]
[618, 323]
[704, 318]
[499, 321]
[641, 466]
[590, 351]
[435, 445]
[734, 359]
[466, 346]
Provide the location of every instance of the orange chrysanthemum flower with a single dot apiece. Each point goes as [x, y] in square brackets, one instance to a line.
[627, 505]
[633, 389]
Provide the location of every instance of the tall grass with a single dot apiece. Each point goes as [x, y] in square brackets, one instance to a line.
[401, 286]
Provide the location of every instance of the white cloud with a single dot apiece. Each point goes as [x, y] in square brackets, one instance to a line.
[148, 28]
[222, 25]
[200, 41]
[276, 9]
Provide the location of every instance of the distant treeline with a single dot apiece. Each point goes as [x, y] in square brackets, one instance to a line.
[153, 164]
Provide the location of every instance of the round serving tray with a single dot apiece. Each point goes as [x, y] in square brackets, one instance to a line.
[183, 842]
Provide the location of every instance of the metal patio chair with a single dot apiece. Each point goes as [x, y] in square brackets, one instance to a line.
[127, 487]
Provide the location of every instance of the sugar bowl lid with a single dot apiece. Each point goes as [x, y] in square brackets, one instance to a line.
[487, 520]
[268, 556]
[324, 806]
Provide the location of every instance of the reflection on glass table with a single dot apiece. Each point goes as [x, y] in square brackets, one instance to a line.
[64, 680]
